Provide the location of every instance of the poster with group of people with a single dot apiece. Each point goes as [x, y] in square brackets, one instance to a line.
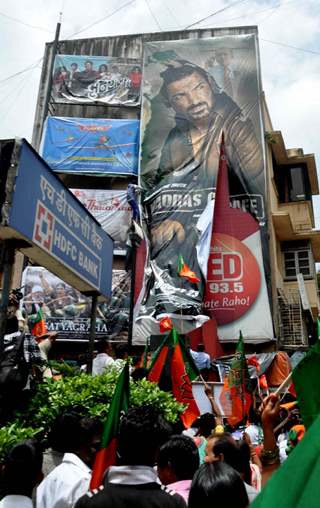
[67, 311]
[102, 79]
[193, 91]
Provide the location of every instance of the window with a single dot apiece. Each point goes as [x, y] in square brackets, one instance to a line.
[292, 183]
[298, 260]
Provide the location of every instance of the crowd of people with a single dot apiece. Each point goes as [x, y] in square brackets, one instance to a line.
[158, 465]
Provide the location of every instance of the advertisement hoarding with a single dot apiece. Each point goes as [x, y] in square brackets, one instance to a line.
[91, 146]
[112, 211]
[68, 312]
[193, 90]
[97, 79]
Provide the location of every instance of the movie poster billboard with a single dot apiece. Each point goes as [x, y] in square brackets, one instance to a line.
[67, 311]
[111, 209]
[193, 90]
[97, 79]
[92, 146]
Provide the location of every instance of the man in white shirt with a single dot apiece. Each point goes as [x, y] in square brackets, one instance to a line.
[70, 480]
[201, 358]
[103, 360]
[21, 472]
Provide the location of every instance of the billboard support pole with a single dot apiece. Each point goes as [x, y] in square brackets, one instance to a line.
[6, 263]
[50, 74]
[135, 240]
[93, 318]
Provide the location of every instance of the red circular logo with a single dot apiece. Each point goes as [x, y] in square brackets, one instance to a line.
[234, 279]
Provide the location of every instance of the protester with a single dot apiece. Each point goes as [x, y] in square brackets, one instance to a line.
[177, 461]
[217, 485]
[224, 448]
[270, 457]
[201, 359]
[70, 480]
[254, 429]
[133, 482]
[206, 424]
[121, 353]
[21, 472]
[103, 360]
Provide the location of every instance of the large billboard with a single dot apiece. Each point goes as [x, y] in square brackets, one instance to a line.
[53, 228]
[97, 79]
[91, 146]
[68, 312]
[193, 90]
[112, 211]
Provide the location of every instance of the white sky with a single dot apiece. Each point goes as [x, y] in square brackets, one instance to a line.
[290, 77]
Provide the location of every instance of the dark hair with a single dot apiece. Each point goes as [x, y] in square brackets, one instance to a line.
[217, 484]
[69, 432]
[225, 445]
[200, 348]
[22, 469]
[182, 455]
[172, 74]
[139, 373]
[102, 345]
[74, 63]
[206, 423]
[89, 62]
[121, 350]
[142, 431]
[105, 67]
[254, 416]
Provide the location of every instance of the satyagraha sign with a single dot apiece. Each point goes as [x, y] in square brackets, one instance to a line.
[92, 146]
[58, 232]
[103, 79]
[193, 90]
[67, 311]
[112, 211]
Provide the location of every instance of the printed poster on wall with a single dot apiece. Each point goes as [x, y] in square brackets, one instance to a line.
[193, 90]
[97, 79]
[67, 311]
[112, 211]
[91, 146]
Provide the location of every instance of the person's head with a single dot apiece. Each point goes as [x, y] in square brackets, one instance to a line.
[178, 459]
[206, 424]
[60, 289]
[254, 416]
[139, 373]
[223, 448]
[37, 294]
[217, 484]
[200, 348]
[74, 66]
[64, 70]
[224, 56]
[115, 69]
[88, 65]
[103, 68]
[74, 434]
[121, 351]
[104, 346]
[188, 91]
[142, 431]
[22, 469]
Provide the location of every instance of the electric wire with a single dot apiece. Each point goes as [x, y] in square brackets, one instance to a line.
[215, 13]
[11, 18]
[153, 16]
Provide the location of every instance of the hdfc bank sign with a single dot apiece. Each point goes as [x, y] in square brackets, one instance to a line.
[234, 279]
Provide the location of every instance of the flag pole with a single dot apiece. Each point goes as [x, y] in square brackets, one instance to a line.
[284, 384]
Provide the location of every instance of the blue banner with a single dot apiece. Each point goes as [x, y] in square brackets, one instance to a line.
[67, 239]
[92, 146]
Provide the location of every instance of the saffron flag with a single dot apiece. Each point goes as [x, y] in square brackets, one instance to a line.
[184, 271]
[165, 324]
[236, 396]
[306, 382]
[182, 372]
[296, 483]
[236, 292]
[106, 456]
[39, 324]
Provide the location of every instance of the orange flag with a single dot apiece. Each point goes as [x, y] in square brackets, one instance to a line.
[184, 271]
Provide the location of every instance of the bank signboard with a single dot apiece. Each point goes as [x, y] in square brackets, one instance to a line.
[55, 229]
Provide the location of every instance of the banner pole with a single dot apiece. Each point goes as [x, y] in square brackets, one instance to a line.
[93, 318]
[133, 283]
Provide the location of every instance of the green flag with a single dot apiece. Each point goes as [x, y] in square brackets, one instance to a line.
[318, 328]
[306, 380]
[106, 456]
[296, 483]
